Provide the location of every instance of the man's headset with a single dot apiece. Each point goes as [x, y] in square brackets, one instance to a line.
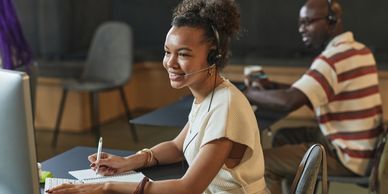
[214, 57]
[331, 18]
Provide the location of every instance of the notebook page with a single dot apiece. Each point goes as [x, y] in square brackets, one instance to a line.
[84, 174]
[89, 176]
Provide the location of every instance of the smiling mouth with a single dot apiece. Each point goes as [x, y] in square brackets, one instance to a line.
[175, 76]
[306, 38]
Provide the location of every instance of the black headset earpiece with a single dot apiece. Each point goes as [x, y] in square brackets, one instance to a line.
[214, 56]
[331, 18]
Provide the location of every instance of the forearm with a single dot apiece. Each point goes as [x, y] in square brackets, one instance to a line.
[119, 187]
[167, 152]
[265, 98]
[278, 85]
[164, 153]
[172, 186]
[158, 187]
[285, 100]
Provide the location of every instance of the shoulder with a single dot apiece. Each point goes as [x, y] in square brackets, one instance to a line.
[228, 94]
[344, 45]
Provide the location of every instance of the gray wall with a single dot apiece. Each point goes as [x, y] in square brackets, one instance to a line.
[28, 18]
[57, 28]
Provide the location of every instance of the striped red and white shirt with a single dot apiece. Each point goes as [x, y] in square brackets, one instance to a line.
[342, 86]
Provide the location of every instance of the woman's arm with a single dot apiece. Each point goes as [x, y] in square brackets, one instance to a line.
[165, 153]
[204, 168]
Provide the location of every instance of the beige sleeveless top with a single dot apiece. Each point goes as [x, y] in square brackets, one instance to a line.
[230, 116]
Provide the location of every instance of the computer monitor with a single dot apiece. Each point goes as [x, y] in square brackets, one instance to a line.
[18, 163]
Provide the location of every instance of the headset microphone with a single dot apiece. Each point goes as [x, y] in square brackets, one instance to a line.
[199, 71]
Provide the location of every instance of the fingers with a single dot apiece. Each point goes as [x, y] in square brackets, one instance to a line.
[106, 171]
[93, 157]
[103, 169]
[63, 188]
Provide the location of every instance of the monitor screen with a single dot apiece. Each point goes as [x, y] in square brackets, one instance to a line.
[18, 163]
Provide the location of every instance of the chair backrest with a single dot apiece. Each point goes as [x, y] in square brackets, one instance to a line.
[110, 55]
[309, 168]
[379, 174]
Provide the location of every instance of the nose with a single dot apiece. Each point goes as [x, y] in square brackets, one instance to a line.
[170, 61]
[302, 28]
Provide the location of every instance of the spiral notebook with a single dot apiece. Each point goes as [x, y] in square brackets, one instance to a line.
[90, 176]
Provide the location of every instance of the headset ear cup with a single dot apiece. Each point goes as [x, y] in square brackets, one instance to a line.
[332, 19]
[212, 57]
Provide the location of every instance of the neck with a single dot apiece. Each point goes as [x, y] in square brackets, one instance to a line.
[202, 91]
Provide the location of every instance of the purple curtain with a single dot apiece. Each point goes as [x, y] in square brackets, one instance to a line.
[14, 49]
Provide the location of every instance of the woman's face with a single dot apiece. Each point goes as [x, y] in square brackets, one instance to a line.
[185, 55]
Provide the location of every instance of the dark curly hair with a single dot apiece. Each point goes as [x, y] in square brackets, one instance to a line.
[223, 15]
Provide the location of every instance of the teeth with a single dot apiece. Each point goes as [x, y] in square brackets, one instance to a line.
[174, 75]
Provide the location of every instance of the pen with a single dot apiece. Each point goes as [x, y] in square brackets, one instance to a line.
[99, 148]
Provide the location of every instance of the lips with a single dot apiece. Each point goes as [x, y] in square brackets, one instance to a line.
[176, 76]
[306, 38]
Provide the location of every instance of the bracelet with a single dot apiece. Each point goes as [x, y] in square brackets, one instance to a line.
[143, 184]
[140, 187]
[150, 157]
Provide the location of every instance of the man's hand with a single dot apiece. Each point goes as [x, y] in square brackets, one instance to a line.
[259, 81]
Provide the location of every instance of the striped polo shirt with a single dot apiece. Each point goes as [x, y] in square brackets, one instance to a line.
[342, 86]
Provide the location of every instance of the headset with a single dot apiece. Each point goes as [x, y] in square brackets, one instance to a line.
[331, 18]
[214, 57]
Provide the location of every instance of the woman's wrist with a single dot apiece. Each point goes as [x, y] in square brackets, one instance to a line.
[150, 159]
[141, 186]
[133, 162]
[107, 187]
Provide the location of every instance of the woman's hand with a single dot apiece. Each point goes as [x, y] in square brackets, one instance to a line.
[109, 164]
[68, 188]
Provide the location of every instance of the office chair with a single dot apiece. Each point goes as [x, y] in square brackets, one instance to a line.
[108, 66]
[370, 181]
[306, 176]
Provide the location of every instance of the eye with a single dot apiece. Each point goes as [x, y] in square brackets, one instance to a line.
[183, 54]
[167, 53]
[309, 21]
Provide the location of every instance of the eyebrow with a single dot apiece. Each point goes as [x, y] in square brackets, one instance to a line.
[180, 49]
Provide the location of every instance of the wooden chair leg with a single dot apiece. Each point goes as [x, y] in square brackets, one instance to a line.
[128, 114]
[95, 114]
[59, 118]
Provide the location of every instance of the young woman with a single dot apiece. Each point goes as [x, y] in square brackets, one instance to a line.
[221, 140]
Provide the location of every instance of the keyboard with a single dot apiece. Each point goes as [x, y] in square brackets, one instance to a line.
[52, 182]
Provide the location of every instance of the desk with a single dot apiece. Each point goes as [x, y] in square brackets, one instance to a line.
[176, 115]
[172, 115]
[76, 159]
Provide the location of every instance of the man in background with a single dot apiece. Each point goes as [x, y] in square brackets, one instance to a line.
[341, 87]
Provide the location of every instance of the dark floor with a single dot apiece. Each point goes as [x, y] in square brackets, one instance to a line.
[117, 135]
